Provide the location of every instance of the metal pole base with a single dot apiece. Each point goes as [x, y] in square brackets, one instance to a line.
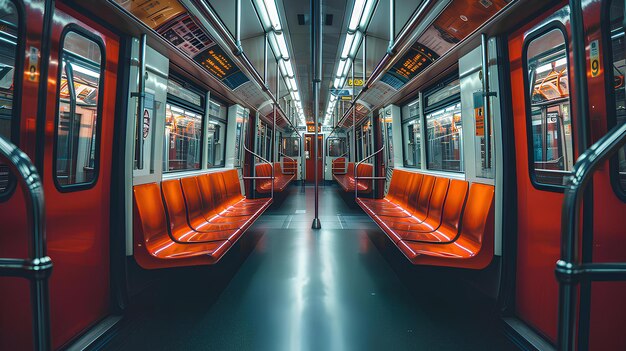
[316, 224]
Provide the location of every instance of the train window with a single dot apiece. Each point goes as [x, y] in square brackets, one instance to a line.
[216, 135]
[184, 118]
[336, 147]
[183, 136]
[549, 116]
[412, 137]
[9, 36]
[444, 138]
[291, 146]
[618, 61]
[77, 143]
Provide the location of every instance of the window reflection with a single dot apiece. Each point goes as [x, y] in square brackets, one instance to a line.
[444, 137]
[551, 125]
[183, 132]
[79, 89]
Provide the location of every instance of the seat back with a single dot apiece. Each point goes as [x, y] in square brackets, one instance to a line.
[411, 193]
[193, 199]
[174, 203]
[455, 202]
[150, 215]
[232, 184]
[423, 199]
[479, 212]
[210, 207]
[365, 170]
[216, 180]
[398, 184]
[437, 199]
[339, 165]
[277, 169]
[263, 170]
[350, 169]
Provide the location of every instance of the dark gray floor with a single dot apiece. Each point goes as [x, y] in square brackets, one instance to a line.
[301, 289]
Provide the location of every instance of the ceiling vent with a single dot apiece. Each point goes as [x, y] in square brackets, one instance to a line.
[329, 20]
[303, 19]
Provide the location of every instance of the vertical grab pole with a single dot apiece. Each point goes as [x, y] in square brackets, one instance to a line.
[238, 27]
[316, 33]
[274, 156]
[140, 95]
[392, 25]
[486, 99]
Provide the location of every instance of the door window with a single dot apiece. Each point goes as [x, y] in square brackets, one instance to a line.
[618, 61]
[412, 137]
[79, 94]
[549, 117]
[9, 41]
[216, 135]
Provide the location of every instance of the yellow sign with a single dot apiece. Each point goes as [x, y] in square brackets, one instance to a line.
[594, 55]
[346, 97]
[358, 82]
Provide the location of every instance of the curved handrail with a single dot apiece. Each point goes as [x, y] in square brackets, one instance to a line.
[568, 270]
[292, 160]
[38, 266]
[264, 161]
[356, 166]
[332, 169]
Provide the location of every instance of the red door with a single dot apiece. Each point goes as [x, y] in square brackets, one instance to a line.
[309, 151]
[77, 163]
[540, 62]
[546, 148]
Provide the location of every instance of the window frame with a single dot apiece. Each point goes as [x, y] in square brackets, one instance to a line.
[184, 104]
[18, 80]
[426, 109]
[403, 122]
[75, 28]
[543, 30]
[611, 115]
[218, 119]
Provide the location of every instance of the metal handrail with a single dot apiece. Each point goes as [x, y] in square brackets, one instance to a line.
[293, 160]
[356, 177]
[264, 161]
[345, 167]
[569, 271]
[37, 267]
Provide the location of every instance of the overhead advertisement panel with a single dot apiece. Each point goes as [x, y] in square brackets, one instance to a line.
[172, 21]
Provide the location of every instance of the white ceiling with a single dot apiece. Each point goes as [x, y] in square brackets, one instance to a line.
[299, 37]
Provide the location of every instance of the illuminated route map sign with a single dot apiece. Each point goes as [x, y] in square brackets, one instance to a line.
[412, 63]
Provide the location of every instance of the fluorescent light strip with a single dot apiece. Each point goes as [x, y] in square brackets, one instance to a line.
[357, 12]
[347, 44]
[272, 12]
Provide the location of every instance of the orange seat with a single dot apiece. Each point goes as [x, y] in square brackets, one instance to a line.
[339, 166]
[450, 217]
[153, 247]
[225, 206]
[179, 224]
[435, 225]
[348, 182]
[473, 248]
[281, 180]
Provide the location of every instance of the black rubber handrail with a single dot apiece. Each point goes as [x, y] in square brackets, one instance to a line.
[569, 270]
[38, 266]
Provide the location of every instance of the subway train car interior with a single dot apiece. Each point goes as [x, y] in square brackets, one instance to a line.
[312, 175]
